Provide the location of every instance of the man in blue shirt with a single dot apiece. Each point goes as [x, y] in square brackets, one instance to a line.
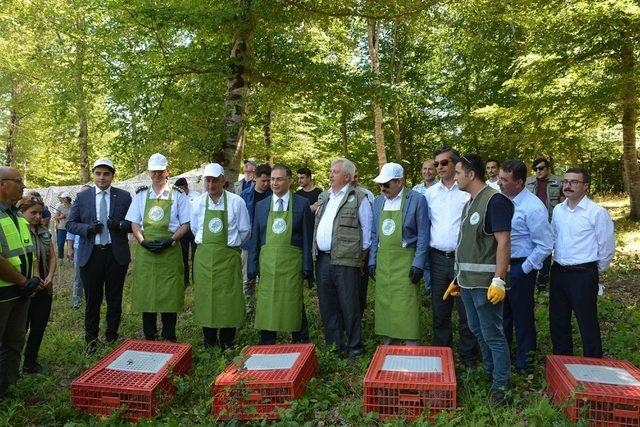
[531, 243]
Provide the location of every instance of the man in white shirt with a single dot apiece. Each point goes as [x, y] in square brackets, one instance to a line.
[492, 166]
[446, 201]
[428, 176]
[341, 240]
[531, 243]
[584, 247]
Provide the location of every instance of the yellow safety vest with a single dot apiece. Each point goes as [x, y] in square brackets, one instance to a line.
[14, 243]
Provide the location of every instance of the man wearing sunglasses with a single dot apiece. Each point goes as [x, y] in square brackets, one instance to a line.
[446, 201]
[398, 257]
[584, 247]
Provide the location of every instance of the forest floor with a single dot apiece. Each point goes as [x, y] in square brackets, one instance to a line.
[334, 397]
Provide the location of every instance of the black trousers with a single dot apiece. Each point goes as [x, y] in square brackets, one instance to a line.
[37, 319]
[302, 336]
[188, 242]
[442, 275]
[102, 277]
[13, 318]
[519, 314]
[339, 300]
[574, 290]
[222, 336]
[150, 326]
[364, 284]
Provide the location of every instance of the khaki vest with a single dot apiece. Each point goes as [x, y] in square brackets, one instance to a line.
[14, 242]
[475, 264]
[346, 238]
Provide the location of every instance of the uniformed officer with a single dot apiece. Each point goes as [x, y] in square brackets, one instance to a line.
[16, 284]
[220, 224]
[281, 254]
[159, 217]
[398, 256]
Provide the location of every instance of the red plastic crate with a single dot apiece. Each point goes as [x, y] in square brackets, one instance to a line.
[257, 394]
[599, 403]
[408, 394]
[102, 391]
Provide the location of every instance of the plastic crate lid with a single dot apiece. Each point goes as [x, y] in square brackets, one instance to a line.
[267, 362]
[412, 363]
[140, 361]
[602, 374]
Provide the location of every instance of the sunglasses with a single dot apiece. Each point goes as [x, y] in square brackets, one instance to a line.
[540, 168]
[442, 163]
[387, 184]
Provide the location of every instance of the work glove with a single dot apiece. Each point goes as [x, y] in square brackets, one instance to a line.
[372, 272]
[150, 245]
[415, 274]
[95, 228]
[308, 275]
[164, 244]
[496, 291]
[113, 225]
[30, 287]
[453, 290]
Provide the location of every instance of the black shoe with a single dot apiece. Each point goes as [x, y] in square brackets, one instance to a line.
[92, 347]
[498, 398]
[111, 340]
[36, 368]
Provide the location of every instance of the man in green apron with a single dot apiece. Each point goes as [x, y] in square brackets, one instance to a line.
[280, 254]
[220, 223]
[398, 256]
[159, 217]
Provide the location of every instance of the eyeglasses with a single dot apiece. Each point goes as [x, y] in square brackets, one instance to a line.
[571, 182]
[540, 168]
[16, 180]
[442, 163]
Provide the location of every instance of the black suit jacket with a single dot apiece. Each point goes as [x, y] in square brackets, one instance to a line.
[83, 215]
[301, 234]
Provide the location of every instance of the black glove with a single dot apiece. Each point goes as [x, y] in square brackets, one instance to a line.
[113, 225]
[30, 287]
[415, 274]
[95, 228]
[164, 244]
[308, 275]
[372, 272]
[150, 245]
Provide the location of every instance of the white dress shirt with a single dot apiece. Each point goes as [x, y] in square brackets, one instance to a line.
[239, 226]
[531, 233]
[583, 234]
[99, 196]
[445, 212]
[193, 196]
[180, 207]
[493, 185]
[285, 201]
[393, 204]
[325, 227]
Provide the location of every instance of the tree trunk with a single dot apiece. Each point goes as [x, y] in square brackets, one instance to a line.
[83, 115]
[240, 67]
[14, 123]
[395, 75]
[267, 138]
[629, 121]
[396, 133]
[378, 133]
[343, 133]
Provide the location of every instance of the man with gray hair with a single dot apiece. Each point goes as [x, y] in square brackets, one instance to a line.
[341, 239]
[249, 169]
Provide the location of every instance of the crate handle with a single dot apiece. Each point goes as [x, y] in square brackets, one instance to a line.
[254, 396]
[409, 397]
[111, 400]
[626, 413]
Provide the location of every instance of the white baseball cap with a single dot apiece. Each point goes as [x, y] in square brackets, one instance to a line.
[388, 172]
[103, 161]
[157, 162]
[65, 194]
[213, 169]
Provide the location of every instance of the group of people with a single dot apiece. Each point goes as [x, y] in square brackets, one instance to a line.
[479, 247]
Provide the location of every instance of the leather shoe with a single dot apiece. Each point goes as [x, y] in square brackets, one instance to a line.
[92, 347]
[36, 368]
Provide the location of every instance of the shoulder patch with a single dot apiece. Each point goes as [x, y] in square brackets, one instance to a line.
[142, 188]
[178, 189]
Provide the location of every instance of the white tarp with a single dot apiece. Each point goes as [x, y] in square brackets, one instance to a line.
[419, 364]
[267, 362]
[602, 374]
[140, 361]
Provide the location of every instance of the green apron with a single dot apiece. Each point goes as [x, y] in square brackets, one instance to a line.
[397, 308]
[217, 274]
[158, 279]
[279, 292]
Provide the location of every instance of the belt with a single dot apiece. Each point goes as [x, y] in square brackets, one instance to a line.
[327, 253]
[451, 254]
[577, 267]
[102, 247]
[521, 259]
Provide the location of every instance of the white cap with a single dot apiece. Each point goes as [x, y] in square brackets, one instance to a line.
[103, 161]
[157, 162]
[65, 194]
[388, 172]
[213, 169]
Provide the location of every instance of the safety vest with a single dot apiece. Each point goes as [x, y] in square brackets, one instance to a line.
[14, 243]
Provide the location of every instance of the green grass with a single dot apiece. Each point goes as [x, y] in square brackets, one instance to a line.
[335, 395]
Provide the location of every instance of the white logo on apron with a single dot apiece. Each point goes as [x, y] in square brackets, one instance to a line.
[351, 198]
[215, 225]
[388, 227]
[474, 218]
[156, 213]
[279, 226]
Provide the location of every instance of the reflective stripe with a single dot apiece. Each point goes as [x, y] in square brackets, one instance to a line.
[477, 268]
